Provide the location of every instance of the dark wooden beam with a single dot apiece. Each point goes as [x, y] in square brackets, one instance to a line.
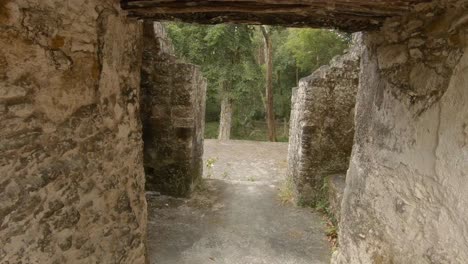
[349, 15]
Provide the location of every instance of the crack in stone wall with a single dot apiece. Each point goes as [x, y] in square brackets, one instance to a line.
[173, 115]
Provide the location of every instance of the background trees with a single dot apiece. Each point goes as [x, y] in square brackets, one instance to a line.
[226, 55]
[269, 101]
[233, 59]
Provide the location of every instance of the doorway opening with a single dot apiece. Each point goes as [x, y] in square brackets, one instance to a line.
[251, 73]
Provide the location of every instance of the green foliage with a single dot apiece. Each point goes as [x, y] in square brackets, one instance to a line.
[224, 52]
[232, 59]
[286, 191]
[209, 166]
[211, 130]
[323, 205]
[312, 48]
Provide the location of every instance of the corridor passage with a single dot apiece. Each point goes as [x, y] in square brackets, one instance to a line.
[236, 216]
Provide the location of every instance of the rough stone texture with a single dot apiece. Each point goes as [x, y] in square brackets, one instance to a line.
[173, 116]
[336, 186]
[322, 125]
[351, 15]
[405, 199]
[71, 165]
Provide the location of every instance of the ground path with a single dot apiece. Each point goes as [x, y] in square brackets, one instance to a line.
[236, 216]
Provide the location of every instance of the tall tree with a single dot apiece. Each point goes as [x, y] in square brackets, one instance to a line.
[225, 119]
[269, 104]
[226, 54]
[312, 48]
[231, 58]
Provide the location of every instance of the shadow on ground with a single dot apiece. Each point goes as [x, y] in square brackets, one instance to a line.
[236, 218]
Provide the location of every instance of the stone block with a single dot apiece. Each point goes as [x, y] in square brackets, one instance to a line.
[68, 149]
[173, 112]
[336, 186]
[322, 125]
[405, 199]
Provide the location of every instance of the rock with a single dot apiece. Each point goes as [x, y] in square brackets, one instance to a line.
[336, 186]
[424, 80]
[415, 42]
[416, 54]
[173, 115]
[21, 110]
[66, 243]
[71, 126]
[407, 176]
[11, 93]
[54, 148]
[392, 56]
[322, 125]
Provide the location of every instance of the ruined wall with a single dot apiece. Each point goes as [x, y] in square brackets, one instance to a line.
[322, 122]
[71, 165]
[335, 189]
[406, 196]
[173, 115]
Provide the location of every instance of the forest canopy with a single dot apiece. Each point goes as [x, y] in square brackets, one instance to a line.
[233, 59]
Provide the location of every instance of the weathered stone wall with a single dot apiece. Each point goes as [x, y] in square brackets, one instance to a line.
[71, 165]
[335, 187]
[406, 196]
[322, 125]
[173, 115]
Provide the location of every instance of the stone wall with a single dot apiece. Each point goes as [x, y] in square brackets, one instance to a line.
[335, 186]
[71, 165]
[322, 125]
[173, 116]
[406, 193]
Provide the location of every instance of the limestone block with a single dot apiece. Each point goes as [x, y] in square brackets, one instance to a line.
[71, 173]
[405, 200]
[173, 112]
[336, 185]
[322, 125]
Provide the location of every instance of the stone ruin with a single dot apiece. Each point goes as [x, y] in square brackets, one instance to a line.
[322, 125]
[72, 160]
[71, 155]
[405, 187]
[173, 98]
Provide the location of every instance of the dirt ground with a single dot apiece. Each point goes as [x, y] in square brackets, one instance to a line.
[236, 215]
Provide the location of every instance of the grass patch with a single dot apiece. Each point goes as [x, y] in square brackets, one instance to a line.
[209, 166]
[211, 130]
[286, 191]
[323, 206]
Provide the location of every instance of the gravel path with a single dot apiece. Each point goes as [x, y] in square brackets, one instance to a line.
[236, 216]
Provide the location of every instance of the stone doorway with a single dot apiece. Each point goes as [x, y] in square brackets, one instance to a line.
[72, 173]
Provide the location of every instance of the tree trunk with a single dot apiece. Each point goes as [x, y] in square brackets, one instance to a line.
[279, 82]
[270, 114]
[297, 76]
[225, 120]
